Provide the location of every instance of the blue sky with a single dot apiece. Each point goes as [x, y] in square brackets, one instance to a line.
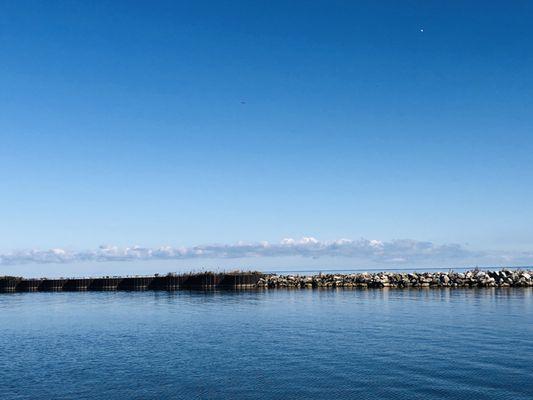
[193, 123]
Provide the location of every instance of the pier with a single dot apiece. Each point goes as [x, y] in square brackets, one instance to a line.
[257, 280]
[170, 282]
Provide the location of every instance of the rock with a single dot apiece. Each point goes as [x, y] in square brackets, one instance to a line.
[475, 278]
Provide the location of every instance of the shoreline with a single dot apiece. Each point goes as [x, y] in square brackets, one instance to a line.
[257, 280]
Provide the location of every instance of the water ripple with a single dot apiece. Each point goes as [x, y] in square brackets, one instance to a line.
[344, 344]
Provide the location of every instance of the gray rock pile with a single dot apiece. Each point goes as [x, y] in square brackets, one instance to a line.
[473, 278]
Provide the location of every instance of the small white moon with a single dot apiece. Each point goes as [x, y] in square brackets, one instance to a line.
[421, 30]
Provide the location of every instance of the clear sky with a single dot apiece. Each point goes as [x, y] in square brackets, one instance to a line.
[191, 123]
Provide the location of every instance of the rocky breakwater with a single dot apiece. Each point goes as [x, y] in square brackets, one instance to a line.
[474, 278]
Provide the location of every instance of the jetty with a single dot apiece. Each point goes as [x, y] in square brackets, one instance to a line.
[257, 280]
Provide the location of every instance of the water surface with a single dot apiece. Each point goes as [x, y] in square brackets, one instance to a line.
[299, 344]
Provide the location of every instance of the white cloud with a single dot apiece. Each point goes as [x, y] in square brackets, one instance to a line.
[395, 252]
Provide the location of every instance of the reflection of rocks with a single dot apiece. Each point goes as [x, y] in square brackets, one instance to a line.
[474, 278]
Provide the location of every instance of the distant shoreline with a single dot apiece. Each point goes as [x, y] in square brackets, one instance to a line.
[256, 280]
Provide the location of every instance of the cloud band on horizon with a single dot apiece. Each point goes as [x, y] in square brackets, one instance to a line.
[400, 252]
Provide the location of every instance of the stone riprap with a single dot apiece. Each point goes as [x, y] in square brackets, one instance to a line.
[472, 279]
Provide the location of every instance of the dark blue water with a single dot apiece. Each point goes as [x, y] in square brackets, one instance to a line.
[331, 344]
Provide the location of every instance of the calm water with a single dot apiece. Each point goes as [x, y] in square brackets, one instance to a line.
[352, 344]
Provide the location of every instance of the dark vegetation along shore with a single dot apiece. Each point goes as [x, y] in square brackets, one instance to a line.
[257, 280]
